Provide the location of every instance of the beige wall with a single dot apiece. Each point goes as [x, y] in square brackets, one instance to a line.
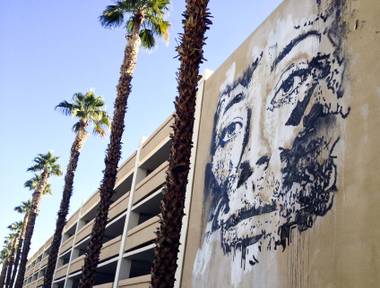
[136, 282]
[142, 233]
[330, 195]
[157, 137]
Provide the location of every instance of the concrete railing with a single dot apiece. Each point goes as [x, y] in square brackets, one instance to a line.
[94, 199]
[151, 182]
[66, 245]
[40, 282]
[136, 282]
[125, 169]
[142, 233]
[105, 285]
[110, 248]
[72, 220]
[77, 264]
[44, 261]
[61, 272]
[84, 231]
[158, 136]
[119, 206]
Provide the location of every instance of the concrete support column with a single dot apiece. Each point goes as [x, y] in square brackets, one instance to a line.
[69, 283]
[123, 265]
[125, 268]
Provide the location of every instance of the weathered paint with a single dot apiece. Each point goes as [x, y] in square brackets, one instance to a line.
[275, 165]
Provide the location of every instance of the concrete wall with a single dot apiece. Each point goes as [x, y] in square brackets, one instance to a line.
[285, 189]
[131, 227]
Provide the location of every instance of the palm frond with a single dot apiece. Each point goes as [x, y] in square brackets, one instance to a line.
[32, 183]
[24, 207]
[39, 162]
[89, 108]
[47, 190]
[112, 16]
[45, 163]
[159, 26]
[101, 122]
[130, 24]
[159, 6]
[65, 107]
[76, 127]
[55, 169]
[98, 130]
[147, 38]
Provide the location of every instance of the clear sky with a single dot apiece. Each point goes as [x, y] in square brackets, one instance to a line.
[52, 49]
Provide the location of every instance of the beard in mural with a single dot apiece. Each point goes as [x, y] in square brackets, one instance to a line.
[276, 134]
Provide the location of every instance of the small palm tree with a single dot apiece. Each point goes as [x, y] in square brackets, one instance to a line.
[196, 22]
[4, 256]
[89, 109]
[24, 209]
[4, 265]
[46, 165]
[145, 21]
[15, 229]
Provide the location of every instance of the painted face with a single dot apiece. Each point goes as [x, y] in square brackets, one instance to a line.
[275, 138]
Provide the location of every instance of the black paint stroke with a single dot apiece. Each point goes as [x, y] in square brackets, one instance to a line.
[292, 44]
[309, 167]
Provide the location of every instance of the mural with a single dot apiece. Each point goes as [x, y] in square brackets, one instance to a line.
[276, 140]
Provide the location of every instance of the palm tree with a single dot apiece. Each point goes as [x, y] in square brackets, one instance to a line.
[46, 165]
[15, 228]
[24, 208]
[196, 22]
[145, 22]
[4, 257]
[89, 109]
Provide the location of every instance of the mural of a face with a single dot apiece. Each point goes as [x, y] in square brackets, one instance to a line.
[275, 140]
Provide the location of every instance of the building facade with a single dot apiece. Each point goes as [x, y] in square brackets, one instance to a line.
[283, 186]
[128, 245]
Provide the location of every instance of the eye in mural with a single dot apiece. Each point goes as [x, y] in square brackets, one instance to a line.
[274, 161]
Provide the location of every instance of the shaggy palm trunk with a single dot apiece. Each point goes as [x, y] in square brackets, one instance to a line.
[17, 260]
[3, 272]
[196, 22]
[11, 262]
[19, 247]
[65, 204]
[30, 228]
[113, 154]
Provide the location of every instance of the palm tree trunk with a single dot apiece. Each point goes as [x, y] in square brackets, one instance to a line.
[113, 154]
[11, 262]
[30, 228]
[19, 247]
[77, 145]
[197, 20]
[3, 272]
[17, 261]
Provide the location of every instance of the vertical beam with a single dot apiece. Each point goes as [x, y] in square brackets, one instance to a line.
[138, 174]
[189, 187]
[126, 265]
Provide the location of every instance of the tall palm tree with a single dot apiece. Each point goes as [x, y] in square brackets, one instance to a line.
[15, 229]
[89, 109]
[145, 22]
[24, 209]
[3, 262]
[4, 255]
[46, 165]
[196, 22]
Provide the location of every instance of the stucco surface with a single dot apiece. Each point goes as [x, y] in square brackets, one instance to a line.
[333, 237]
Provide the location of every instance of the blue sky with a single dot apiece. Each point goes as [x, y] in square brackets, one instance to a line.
[52, 49]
